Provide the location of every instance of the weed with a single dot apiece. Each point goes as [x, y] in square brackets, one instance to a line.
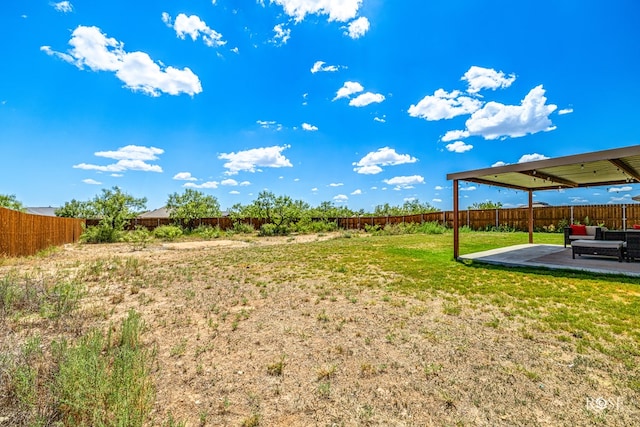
[324, 389]
[326, 372]
[276, 369]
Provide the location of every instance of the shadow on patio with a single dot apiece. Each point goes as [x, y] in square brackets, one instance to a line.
[554, 257]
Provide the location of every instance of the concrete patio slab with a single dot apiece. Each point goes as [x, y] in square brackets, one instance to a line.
[552, 257]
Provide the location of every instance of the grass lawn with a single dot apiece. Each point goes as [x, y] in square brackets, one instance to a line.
[347, 329]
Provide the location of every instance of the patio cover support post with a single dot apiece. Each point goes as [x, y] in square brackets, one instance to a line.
[456, 232]
[530, 216]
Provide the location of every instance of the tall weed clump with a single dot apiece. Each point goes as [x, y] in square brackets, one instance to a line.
[104, 380]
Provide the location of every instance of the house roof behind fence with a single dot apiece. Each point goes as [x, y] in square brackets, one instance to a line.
[609, 167]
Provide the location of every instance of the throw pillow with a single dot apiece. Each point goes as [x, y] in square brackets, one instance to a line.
[636, 226]
[578, 230]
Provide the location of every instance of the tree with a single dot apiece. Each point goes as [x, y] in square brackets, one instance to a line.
[185, 208]
[10, 202]
[410, 207]
[282, 211]
[114, 209]
[486, 205]
[75, 209]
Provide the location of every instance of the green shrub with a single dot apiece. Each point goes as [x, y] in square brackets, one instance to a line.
[242, 228]
[320, 226]
[139, 238]
[100, 234]
[207, 232]
[167, 232]
[268, 230]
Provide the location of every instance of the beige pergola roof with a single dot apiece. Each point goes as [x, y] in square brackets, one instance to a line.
[610, 167]
[599, 168]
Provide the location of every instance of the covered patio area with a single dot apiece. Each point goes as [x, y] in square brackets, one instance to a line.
[619, 166]
[553, 257]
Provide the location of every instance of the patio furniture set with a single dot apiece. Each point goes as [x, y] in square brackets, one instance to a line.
[592, 240]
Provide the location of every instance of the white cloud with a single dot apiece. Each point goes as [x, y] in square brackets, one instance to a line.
[314, 189]
[497, 120]
[620, 189]
[229, 182]
[309, 128]
[121, 166]
[368, 170]
[565, 111]
[480, 78]
[470, 188]
[92, 48]
[444, 105]
[63, 6]
[499, 163]
[356, 192]
[380, 119]
[281, 34]
[269, 124]
[624, 198]
[132, 152]
[184, 176]
[131, 157]
[244, 184]
[348, 89]
[91, 181]
[194, 27]
[531, 158]
[357, 28]
[338, 10]
[336, 184]
[436, 200]
[341, 198]
[452, 135]
[319, 66]
[234, 192]
[459, 147]
[366, 99]
[249, 160]
[438, 188]
[209, 184]
[404, 182]
[372, 162]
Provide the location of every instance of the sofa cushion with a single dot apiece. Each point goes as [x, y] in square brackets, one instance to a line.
[636, 226]
[581, 237]
[591, 230]
[579, 230]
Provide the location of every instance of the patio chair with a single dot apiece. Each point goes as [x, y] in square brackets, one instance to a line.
[633, 246]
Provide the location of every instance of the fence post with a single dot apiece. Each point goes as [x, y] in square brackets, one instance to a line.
[624, 217]
[571, 215]
[497, 219]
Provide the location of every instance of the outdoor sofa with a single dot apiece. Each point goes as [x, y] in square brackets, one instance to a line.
[582, 232]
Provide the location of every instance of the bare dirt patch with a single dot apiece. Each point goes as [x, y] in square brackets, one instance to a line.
[244, 337]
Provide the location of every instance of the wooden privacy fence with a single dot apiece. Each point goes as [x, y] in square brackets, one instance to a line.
[614, 217]
[24, 234]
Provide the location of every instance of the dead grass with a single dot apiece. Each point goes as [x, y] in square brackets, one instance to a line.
[284, 332]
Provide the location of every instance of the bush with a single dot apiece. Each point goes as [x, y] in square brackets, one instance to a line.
[207, 232]
[268, 230]
[139, 238]
[406, 228]
[242, 228]
[100, 234]
[167, 232]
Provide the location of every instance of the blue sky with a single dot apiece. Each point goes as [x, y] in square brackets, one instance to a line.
[359, 102]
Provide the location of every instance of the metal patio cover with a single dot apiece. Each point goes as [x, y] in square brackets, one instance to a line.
[617, 166]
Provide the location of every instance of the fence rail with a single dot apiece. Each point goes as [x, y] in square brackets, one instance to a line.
[24, 234]
[615, 217]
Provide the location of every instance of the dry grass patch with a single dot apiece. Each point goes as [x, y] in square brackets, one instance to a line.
[364, 330]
